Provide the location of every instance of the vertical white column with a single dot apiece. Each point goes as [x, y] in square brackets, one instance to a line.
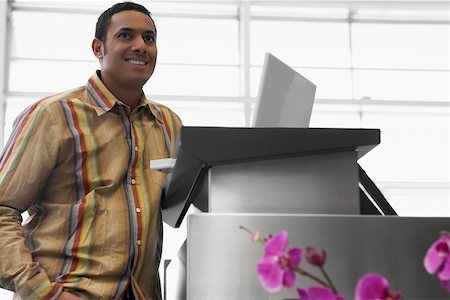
[4, 34]
[244, 56]
[4, 19]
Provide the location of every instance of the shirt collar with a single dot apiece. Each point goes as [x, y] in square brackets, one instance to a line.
[104, 100]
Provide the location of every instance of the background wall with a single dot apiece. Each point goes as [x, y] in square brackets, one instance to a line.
[377, 64]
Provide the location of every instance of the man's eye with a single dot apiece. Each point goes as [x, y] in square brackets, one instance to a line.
[149, 38]
[123, 35]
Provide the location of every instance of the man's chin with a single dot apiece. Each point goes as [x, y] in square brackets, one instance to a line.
[137, 81]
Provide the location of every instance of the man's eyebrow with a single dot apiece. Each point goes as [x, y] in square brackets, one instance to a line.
[124, 29]
[127, 29]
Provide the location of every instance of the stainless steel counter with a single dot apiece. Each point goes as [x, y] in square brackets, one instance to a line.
[221, 258]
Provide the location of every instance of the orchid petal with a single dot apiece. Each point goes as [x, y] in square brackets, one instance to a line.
[289, 278]
[371, 286]
[318, 293]
[446, 285]
[294, 257]
[445, 273]
[303, 294]
[277, 244]
[321, 293]
[270, 274]
[434, 257]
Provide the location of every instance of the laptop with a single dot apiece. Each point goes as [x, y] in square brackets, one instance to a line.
[285, 97]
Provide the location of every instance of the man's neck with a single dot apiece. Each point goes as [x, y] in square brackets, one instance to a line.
[129, 95]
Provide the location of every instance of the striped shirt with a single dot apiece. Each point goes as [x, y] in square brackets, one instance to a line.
[79, 163]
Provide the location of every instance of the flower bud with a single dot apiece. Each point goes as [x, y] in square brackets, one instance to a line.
[255, 236]
[315, 257]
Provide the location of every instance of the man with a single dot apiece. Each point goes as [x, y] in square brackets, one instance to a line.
[79, 163]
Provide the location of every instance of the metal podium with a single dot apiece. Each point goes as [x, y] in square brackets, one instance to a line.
[304, 180]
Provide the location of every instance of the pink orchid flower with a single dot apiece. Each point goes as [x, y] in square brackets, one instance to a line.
[276, 268]
[437, 260]
[373, 286]
[318, 293]
[315, 257]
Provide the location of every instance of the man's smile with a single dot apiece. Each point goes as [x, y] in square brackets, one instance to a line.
[136, 62]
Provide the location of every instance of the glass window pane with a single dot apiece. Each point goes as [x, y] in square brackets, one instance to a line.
[6, 294]
[408, 14]
[419, 46]
[48, 76]
[52, 35]
[402, 85]
[335, 116]
[198, 41]
[167, 79]
[418, 200]
[194, 80]
[208, 113]
[415, 144]
[191, 8]
[273, 9]
[300, 43]
[331, 83]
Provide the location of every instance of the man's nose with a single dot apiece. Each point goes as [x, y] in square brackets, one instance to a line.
[139, 44]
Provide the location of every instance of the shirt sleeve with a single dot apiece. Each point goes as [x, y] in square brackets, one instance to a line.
[25, 164]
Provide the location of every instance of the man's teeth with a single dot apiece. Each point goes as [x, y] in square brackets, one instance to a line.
[136, 62]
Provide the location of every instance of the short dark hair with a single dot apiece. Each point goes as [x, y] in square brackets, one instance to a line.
[104, 19]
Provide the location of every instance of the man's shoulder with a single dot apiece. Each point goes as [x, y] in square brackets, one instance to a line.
[171, 124]
[49, 107]
[76, 94]
[160, 106]
[164, 110]
[52, 103]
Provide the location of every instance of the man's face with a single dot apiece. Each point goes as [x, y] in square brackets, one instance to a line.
[128, 56]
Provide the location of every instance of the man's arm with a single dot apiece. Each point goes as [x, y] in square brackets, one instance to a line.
[26, 163]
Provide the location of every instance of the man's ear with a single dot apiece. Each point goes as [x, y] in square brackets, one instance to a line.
[97, 48]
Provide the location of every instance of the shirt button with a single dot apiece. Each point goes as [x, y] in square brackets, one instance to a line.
[136, 148]
[133, 181]
[138, 210]
[138, 242]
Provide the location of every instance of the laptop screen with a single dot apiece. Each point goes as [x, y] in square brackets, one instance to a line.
[285, 98]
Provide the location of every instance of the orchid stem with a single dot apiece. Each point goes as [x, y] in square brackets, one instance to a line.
[330, 283]
[260, 240]
[307, 274]
[245, 228]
